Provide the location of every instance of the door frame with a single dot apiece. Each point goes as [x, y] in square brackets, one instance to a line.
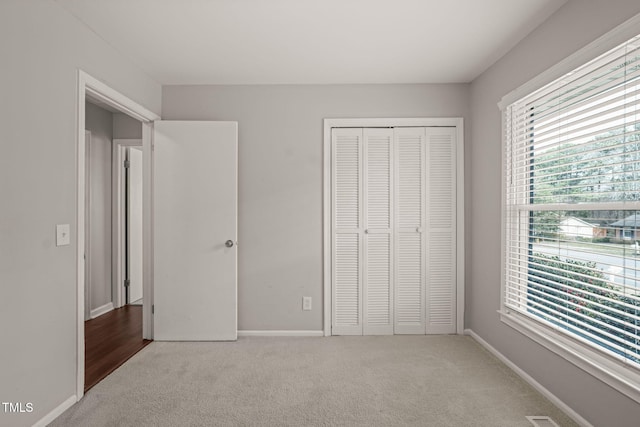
[329, 124]
[90, 87]
[118, 217]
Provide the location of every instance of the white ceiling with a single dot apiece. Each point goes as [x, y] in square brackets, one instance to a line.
[312, 41]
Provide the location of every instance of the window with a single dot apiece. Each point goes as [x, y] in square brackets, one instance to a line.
[572, 207]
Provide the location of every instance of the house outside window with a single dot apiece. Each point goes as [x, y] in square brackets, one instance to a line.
[572, 209]
[628, 227]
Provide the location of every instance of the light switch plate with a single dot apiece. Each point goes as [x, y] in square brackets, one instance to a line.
[63, 234]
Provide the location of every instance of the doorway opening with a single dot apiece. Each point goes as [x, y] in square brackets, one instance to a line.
[113, 240]
[107, 251]
[128, 241]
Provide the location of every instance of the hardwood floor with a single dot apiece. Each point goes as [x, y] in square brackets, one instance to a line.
[110, 340]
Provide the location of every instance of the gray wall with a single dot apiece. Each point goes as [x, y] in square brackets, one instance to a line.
[572, 27]
[280, 179]
[100, 123]
[125, 127]
[41, 47]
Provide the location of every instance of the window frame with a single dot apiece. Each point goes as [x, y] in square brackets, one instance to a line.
[613, 372]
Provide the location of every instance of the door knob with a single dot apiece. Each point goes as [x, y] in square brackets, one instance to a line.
[228, 243]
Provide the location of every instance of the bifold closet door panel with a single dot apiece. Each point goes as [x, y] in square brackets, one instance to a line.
[347, 231]
[441, 231]
[410, 206]
[362, 223]
[378, 243]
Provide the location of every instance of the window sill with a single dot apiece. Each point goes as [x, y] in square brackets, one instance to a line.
[616, 374]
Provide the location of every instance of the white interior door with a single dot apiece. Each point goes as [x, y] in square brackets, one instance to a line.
[134, 239]
[195, 231]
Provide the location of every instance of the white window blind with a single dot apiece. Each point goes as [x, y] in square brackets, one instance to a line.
[572, 204]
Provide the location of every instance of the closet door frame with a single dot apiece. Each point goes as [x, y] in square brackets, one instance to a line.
[329, 124]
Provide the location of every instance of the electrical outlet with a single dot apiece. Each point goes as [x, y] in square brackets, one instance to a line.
[306, 303]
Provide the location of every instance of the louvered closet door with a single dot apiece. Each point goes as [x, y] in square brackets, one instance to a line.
[362, 224]
[393, 231]
[441, 231]
[378, 243]
[410, 242]
[347, 231]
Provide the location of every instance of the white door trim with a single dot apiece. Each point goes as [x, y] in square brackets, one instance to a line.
[118, 215]
[89, 86]
[456, 122]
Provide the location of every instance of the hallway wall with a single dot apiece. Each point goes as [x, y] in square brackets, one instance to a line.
[100, 123]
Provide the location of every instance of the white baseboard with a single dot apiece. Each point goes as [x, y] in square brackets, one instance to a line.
[97, 312]
[529, 379]
[47, 419]
[280, 333]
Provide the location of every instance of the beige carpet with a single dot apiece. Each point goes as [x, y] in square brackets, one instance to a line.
[334, 381]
